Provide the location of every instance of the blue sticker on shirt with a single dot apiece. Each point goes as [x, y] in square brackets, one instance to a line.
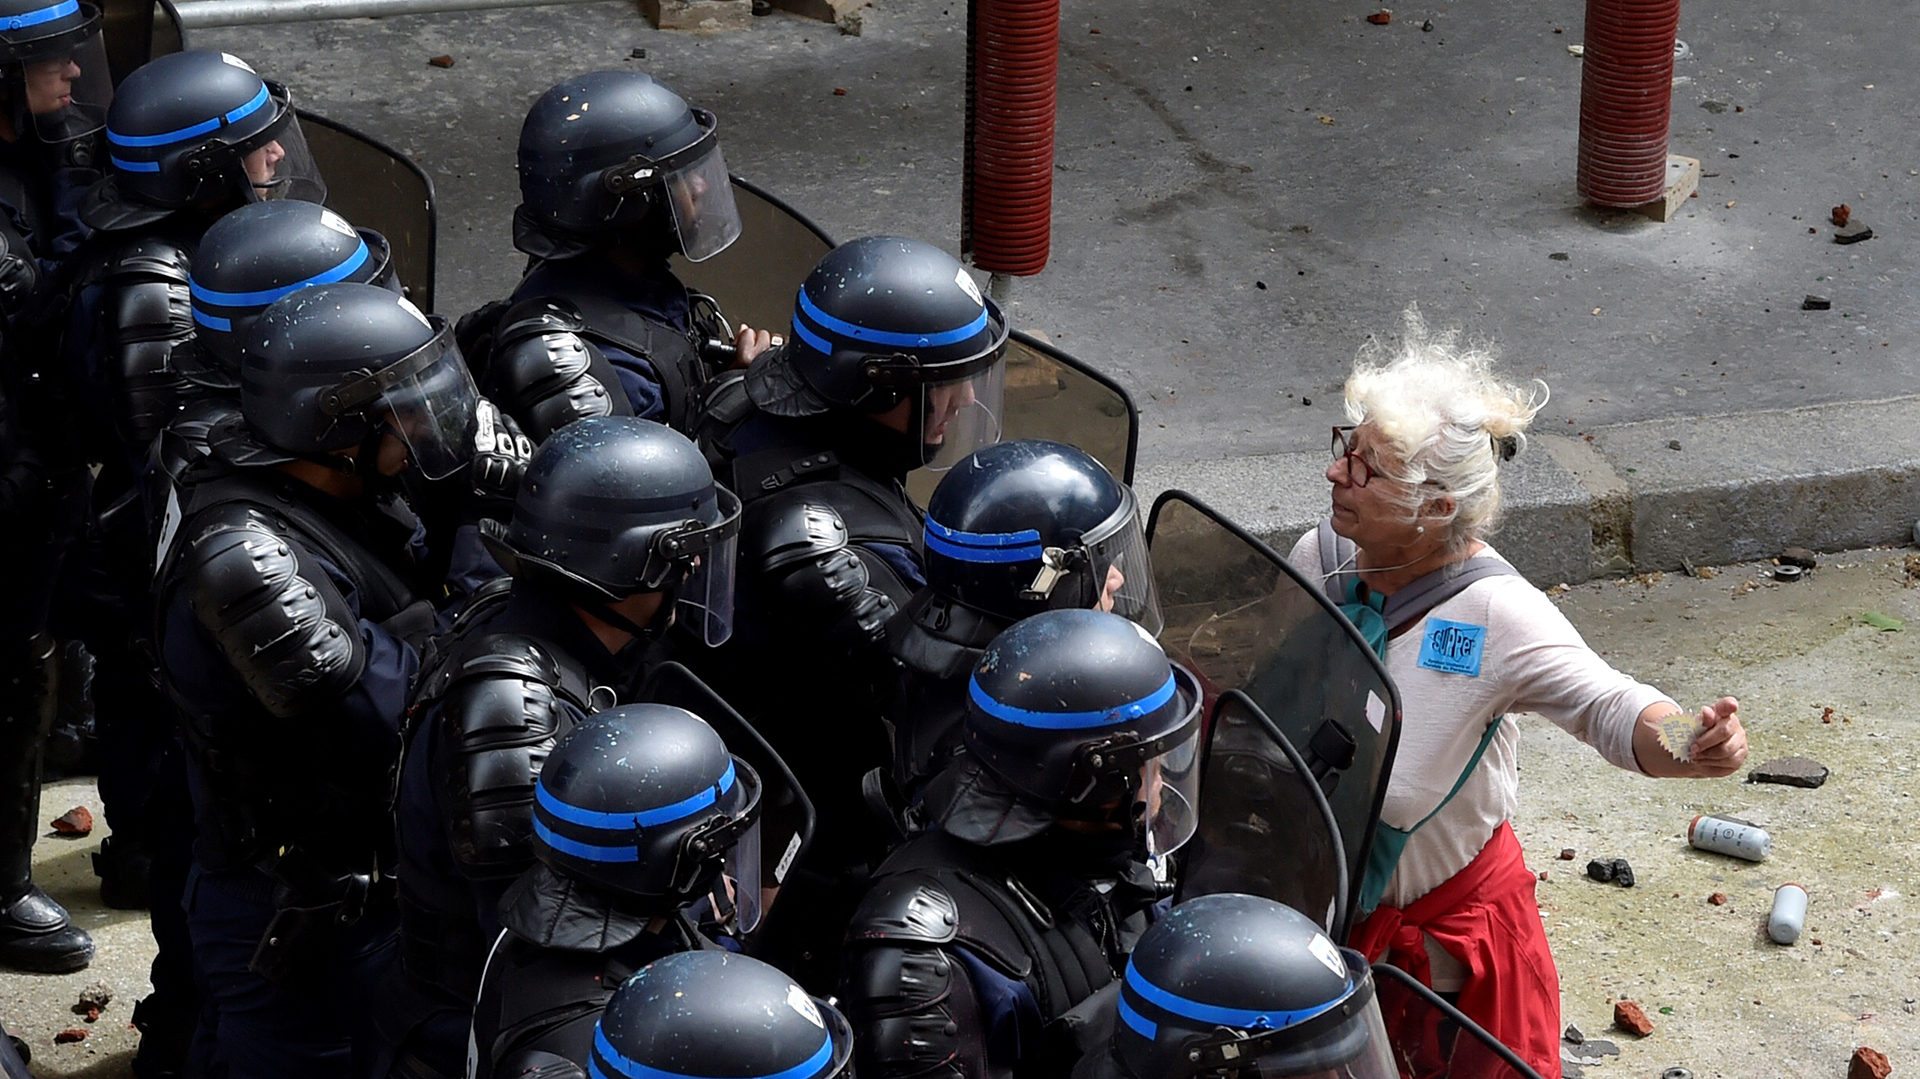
[1452, 647]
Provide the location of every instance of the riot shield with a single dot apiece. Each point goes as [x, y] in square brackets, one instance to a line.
[1240, 617]
[1266, 828]
[756, 278]
[1432, 1040]
[136, 31]
[786, 814]
[374, 186]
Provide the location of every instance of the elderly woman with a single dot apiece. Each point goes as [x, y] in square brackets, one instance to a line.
[1416, 492]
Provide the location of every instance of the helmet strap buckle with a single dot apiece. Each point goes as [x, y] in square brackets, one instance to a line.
[1055, 563]
[631, 176]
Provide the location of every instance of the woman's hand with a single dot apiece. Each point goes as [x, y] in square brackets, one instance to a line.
[1718, 750]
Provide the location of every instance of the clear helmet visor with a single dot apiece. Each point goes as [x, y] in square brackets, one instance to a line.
[1125, 571]
[961, 415]
[430, 401]
[280, 166]
[741, 877]
[1310, 1061]
[704, 601]
[68, 90]
[1169, 796]
[704, 215]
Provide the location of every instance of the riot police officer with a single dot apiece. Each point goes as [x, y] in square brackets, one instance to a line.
[1233, 985]
[895, 362]
[291, 612]
[617, 174]
[54, 90]
[718, 1014]
[640, 812]
[1014, 529]
[1078, 772]
[188, 137]
[618, 534]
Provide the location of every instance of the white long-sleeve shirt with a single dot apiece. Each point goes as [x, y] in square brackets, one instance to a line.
[1532, 660]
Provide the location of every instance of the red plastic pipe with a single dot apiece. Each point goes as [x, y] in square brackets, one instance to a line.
[1626, 98]
[1006, 196]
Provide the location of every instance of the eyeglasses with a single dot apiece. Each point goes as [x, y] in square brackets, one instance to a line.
[1358, 470]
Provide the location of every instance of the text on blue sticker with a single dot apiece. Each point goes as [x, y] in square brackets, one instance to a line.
[1452, 647]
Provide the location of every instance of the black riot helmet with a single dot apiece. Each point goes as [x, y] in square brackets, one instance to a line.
[336, 366]
[1029, 525]
[717, 1015]
[55, 69]
[1241, 986]
[882, 320]
[614, 153]
[1075, 714]
[266, 250]
[611, 506]
[199, 127]
[645, 803]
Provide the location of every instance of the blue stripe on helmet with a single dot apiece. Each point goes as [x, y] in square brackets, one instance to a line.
[39, 15]
[134, 166]
[212, 322]
[814, 341]
[958, 553]
[646, 818]
[168, 138]
[889, 337]
[986, 547]
[1070, 721]
[983, 539]
[1141, 1025]
[1236, 1018]
[589, 852]
[633, 1069]
[266, 296]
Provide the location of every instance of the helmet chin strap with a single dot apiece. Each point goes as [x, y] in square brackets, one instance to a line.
[652, 631]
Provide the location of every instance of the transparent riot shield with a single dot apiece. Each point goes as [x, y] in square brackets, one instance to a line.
[136, 31]
[1240, 617]
[1432, 1040]
[376, 187]
[1266, 827]
[756, 278]
[786, 814]
[1051, 395]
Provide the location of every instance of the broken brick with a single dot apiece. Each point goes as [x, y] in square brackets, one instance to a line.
[69, 1036]
[1868, 1063]
[1566, 854]
[77, 821]
[1629, 1017]
[440, 61]
[1718, 899]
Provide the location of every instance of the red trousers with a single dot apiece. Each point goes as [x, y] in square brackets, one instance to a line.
[1486, 917]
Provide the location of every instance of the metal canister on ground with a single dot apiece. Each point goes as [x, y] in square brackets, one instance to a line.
[1724, 835]
[1789, 914]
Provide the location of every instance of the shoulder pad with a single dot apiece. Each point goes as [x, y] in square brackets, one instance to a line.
[537, 1064]
[280, 621]
[789, 527]
[906, 908]
[545, 374]
[151, 258]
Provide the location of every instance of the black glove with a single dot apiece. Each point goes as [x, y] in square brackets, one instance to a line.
[500, 455]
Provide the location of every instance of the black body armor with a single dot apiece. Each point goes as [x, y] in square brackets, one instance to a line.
[147, 321]
[247, 558]
[914, 1003]
[566, 949]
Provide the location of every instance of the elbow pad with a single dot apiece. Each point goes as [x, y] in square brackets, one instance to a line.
[801, 551]
[147, 314]
[283, 626]
[546, 375]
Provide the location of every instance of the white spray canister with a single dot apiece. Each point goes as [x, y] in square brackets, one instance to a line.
[1723, 835]
[1789, 914]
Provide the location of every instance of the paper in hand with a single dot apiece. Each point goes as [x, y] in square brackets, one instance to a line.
[1677, 733]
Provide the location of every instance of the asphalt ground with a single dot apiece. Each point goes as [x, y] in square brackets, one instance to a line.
[1245, 190]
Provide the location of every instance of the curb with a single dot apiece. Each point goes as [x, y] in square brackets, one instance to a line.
[1742, 486]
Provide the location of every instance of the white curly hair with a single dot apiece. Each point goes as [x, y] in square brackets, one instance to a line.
[1444, 420]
